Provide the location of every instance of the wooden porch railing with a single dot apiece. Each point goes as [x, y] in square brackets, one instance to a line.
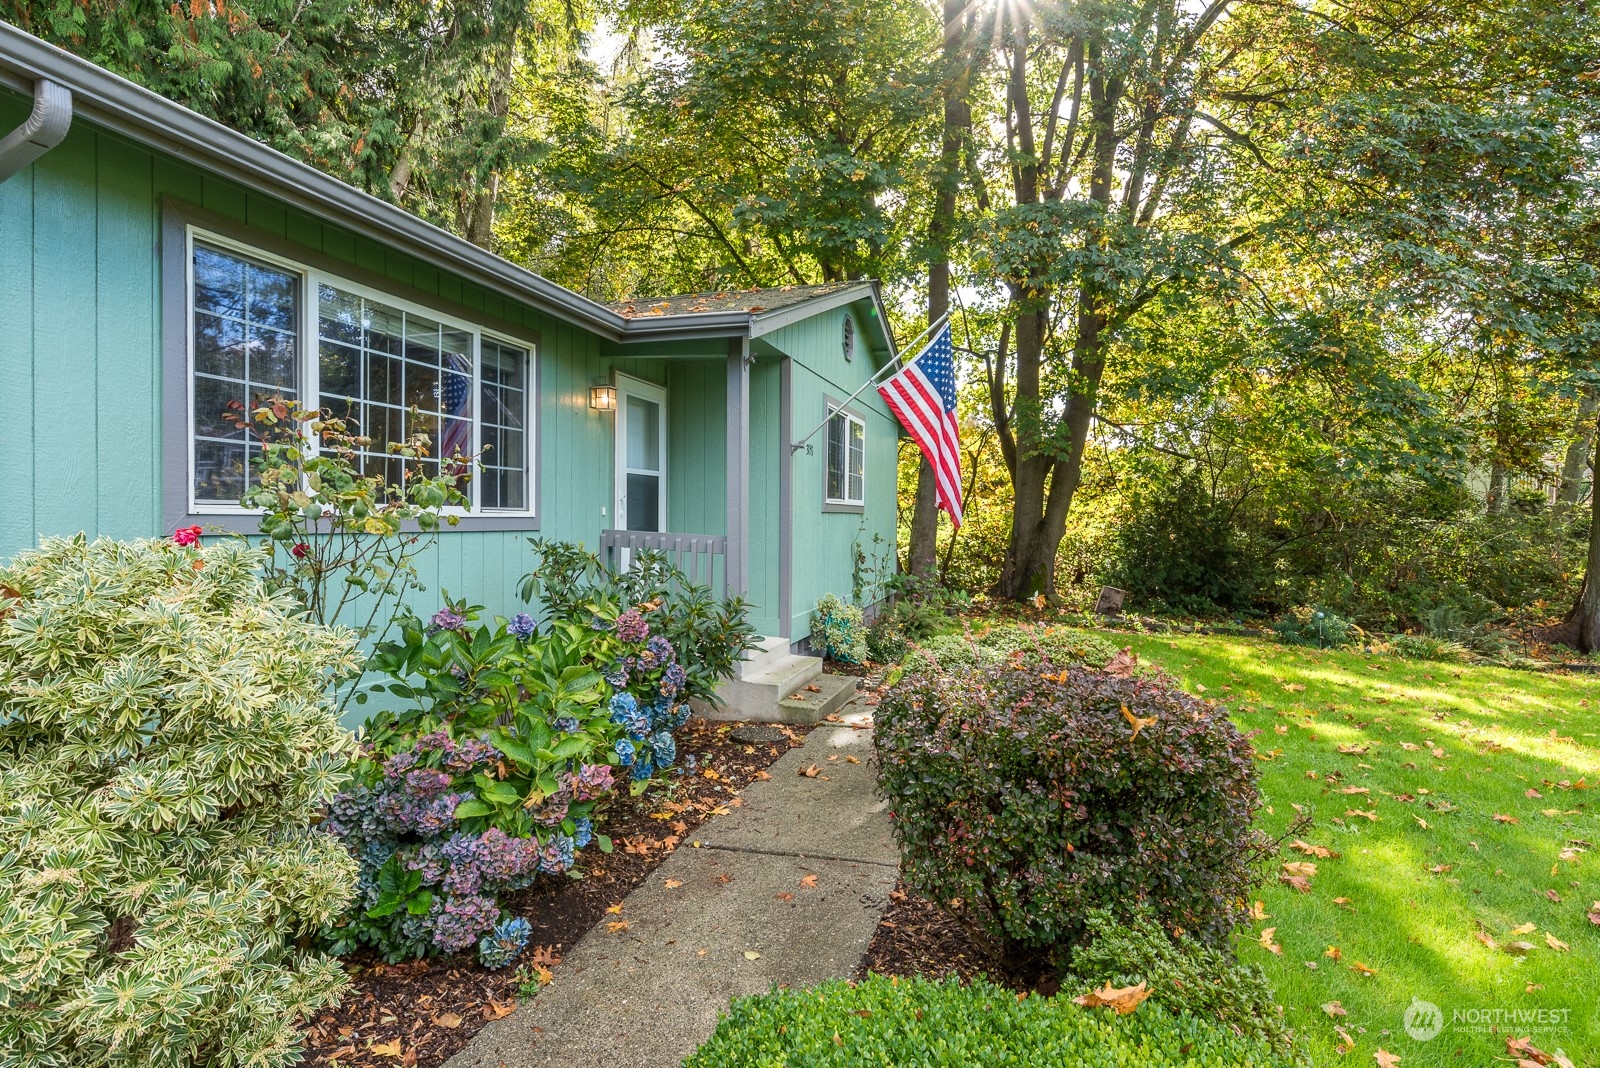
[701, 557]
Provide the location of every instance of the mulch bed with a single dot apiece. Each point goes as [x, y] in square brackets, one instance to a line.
[419, 1013]
[916, 937]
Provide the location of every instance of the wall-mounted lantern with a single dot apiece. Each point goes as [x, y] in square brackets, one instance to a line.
[603, 398]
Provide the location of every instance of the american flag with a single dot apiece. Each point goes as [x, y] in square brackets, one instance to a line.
[923, 396]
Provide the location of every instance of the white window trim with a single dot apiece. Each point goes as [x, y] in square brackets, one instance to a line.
[309, 279]
[845, 501]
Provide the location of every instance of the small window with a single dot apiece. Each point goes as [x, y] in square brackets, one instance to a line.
[849, 338]
[389, 369]
[847, 458]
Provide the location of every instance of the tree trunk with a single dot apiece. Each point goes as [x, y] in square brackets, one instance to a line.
[924, 552]
[1499, 489]
[1575, 467]
[1581, 628]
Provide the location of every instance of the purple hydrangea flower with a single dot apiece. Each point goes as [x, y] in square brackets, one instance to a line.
[427, 782]
[521, 625]
[446, 619]
[631, 627]
[567, 724]
[460, 921]
[594, 780]
[617, 676]
[661, 649]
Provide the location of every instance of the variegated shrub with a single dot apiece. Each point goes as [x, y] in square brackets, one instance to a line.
[165, 746]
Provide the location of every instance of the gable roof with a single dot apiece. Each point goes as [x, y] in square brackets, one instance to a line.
[117, 104]
[760, 311]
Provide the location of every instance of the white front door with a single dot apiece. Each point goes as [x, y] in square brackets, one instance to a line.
[641, 478]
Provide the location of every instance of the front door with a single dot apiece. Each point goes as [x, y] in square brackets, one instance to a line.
[641, 478]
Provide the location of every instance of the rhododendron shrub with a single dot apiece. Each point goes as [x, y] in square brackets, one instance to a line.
[166, 744]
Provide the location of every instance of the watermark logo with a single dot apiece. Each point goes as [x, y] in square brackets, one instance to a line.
[1423, 1020]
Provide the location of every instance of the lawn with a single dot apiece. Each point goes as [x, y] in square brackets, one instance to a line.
[1461, 823]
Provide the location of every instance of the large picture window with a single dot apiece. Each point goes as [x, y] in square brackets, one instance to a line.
[847, 458]
[261, 326]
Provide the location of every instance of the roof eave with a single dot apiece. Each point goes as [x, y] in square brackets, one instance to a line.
[123, 107]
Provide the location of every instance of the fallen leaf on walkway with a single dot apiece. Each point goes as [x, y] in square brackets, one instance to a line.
[811, 772]
[545, 975]
[673, 884]
[784, 896]
[723, 879]
[852, 760]
[614, 910]
[1124, 999]
[447, 1019]
[814, 688]
[496, 1010]
[1333, 1008]
[762, 776]
[617, 926]
[751, 954]
[809, 882]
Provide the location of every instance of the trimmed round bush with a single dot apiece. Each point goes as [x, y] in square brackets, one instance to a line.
[1008, 641]
[166, 743]
[950, 1025]
[1033, 795]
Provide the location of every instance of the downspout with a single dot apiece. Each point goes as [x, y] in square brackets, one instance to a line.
[45, 129]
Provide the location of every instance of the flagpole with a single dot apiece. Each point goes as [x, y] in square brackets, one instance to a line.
[892, 365]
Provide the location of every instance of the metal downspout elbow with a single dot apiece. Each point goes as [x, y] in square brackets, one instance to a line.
[45, 129]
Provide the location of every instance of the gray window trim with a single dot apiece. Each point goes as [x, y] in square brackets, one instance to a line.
[176, 217]
[831, 405]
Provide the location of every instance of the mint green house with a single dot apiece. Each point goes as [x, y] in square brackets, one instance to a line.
[155, 266]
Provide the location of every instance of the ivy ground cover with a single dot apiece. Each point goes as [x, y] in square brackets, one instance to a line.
[1456, 806]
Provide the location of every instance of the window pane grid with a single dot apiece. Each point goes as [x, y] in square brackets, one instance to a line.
[502, 419]
[846, 459]
[245, 350]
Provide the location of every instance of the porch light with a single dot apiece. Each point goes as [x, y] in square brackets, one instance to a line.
[603, 398]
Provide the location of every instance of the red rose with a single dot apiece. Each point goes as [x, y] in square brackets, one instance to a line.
[299, 550]
[186, 535]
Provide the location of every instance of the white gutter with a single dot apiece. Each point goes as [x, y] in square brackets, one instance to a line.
[45, 129]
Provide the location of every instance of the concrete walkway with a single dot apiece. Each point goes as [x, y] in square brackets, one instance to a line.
[785, 889]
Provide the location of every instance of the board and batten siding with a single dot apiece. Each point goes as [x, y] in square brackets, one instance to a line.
[825, 543]
[81, 373]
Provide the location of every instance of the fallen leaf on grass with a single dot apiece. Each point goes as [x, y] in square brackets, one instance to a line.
[1258, 911]
[1524, 928]
[1553, 896]
[1440, 869]
[1355, 790]
[1384, 1058]
[1320, 852]
[1518, 949]
[1124, 999]
[1351, 749]
[1363, 969]
[1334, 1009]
[1528, 1054]
[1556, 944]
[1267, 943]
[1333, 953]
[1300, 867]
[1486, 938]
[1424, 825]
[1594, 913]
[1371, 815]
[1533, 794]
[1346, 1043]
[1344, 903]
[1502, 818]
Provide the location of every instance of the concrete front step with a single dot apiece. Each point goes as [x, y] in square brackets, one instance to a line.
[755, 697]
[766, 656]
[813, 703]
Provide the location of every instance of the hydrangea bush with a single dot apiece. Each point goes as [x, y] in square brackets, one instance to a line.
[508, 737]
[165, 746]
[1034, 794]
[839, 631]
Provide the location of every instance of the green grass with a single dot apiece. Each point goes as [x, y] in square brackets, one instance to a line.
[1501, 733]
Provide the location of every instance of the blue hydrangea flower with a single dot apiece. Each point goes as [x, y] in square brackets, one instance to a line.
[505, 943]
[642, 768]
[521, 625]
[582, 831]
[622, 706]
[625, 752]
[663, 749]
[680, 716]
[567, 724]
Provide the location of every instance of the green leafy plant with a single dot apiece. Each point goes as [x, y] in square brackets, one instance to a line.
[1321, 628]
[948, 1024]
[1006, 641]
[711, 634]
[1184, 976]
[1035, 794]
[838, 630]
[165, 748]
